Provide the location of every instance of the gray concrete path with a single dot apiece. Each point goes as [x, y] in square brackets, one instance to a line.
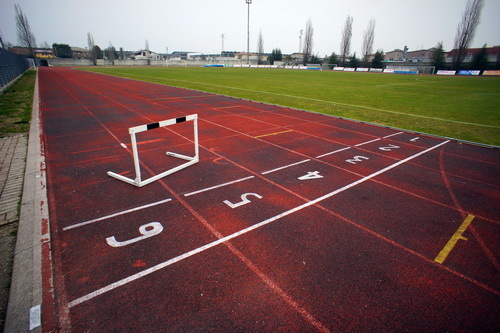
[12, 164]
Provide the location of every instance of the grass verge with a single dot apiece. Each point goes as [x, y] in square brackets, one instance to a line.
[15, 105]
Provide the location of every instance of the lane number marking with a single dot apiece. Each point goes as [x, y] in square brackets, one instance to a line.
[146, 230]
[357, 159]
[311, 175]
[244, 200]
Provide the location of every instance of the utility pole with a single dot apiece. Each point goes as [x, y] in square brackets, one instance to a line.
[222, 50]
[248, 31]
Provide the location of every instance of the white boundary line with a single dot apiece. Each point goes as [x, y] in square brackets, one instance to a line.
[81, 224]
[218, 186]
[284, 167]
[167, 263]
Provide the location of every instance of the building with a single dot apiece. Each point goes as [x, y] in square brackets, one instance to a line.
[144, 54]
[493, 55]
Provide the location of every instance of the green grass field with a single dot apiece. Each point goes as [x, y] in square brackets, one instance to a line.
[466, 108]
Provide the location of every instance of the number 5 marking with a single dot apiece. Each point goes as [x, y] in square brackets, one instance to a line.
[244, 200]
[146, 230]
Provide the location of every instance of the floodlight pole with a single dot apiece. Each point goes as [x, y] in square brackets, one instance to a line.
[248, 32]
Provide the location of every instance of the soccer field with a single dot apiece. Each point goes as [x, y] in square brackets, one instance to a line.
[466, 108]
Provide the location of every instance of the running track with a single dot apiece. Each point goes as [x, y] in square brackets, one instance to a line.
[291, 221]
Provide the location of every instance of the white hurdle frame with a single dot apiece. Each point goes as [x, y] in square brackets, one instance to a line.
[142, 128]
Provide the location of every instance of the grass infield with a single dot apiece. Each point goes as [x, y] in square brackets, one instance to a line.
[466, 108]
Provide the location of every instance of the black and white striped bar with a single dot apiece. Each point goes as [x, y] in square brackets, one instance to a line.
[142, 128]
[147, 127]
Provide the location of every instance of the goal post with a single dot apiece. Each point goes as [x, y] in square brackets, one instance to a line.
[137, 165]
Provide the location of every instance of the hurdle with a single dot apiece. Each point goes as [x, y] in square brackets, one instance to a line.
[142, 128]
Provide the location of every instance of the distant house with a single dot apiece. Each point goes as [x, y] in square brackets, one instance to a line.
[80, 53]
[493, 54]
[143, 54]
[38, 52]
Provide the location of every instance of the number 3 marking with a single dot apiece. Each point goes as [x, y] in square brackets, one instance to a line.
[244, 200]
[145, 231]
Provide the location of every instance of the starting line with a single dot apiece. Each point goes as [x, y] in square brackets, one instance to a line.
[142, 128]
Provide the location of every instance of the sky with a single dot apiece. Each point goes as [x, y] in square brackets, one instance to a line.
[198, 25]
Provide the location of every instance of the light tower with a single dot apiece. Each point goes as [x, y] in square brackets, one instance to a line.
[248, 32]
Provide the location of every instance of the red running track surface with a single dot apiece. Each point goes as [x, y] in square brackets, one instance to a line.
[337, 224]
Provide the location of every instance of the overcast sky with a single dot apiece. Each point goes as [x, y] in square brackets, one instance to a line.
[197, 25]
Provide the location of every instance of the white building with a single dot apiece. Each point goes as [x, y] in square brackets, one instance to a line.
[143, 55]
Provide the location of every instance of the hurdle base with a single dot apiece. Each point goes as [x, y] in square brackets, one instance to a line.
[139, 183]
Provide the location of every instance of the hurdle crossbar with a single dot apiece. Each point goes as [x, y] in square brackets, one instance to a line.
[142, 128]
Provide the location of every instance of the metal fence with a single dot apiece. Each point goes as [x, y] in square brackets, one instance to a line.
[11, 66]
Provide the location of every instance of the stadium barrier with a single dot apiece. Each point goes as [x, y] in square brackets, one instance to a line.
[469, 72]
[142, 128]
[11, 66]
[444, 72]
[491, 73]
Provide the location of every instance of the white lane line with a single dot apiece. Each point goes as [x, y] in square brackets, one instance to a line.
[167, 263]
[218, 186]
[367, 142]
[284, 167]
[81, 224]
[333, 152]
[359, 144]
[393, 134]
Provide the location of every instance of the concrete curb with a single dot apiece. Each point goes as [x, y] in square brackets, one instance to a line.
[23, 312]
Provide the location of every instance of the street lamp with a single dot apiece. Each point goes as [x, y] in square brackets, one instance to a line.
[248, 32]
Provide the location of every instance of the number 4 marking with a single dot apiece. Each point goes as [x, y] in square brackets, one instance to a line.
[311, 175]
[244, 200]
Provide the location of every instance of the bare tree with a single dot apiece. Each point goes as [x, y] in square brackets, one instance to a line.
[260, 48]
[345, 44]
[26, 37]
[465, 31]
[111, 53]
[1, 41]
[92, 48]
[148, 58]
[308, 41]
[368, 39]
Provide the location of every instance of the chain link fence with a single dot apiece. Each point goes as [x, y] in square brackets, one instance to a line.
[11, 66]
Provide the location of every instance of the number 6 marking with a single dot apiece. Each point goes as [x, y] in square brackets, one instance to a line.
[143, 229]
[244, 200]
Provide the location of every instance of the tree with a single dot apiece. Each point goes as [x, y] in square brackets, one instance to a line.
[111, 51]
[353, 61]
[315, 59]
[148, 58]
[92, 50]
[437, 59]
[378, 60]
[260, 48]
[276, 55]
[26, 37]
[308, 41]
[345, 44]
[98, 53]
[334, 59]
[480, 61]
[62, 50]
[465, 31]
[368, 39]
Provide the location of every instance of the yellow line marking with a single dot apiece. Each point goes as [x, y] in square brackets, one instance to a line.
[228, 107]
[441, 257]
[261, 136]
